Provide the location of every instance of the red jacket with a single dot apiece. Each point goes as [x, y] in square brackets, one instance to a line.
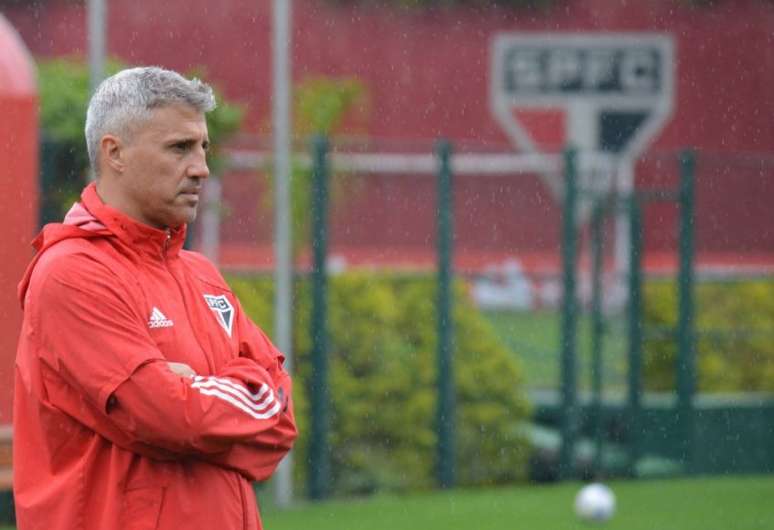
[105, 435]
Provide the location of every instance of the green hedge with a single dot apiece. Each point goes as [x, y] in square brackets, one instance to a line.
[735, 336]
[382, 384]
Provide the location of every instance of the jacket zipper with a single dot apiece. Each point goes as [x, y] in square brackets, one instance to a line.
[180, 289]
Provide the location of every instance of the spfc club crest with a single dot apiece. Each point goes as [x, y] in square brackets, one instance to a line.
[222, 309]
[606, 94]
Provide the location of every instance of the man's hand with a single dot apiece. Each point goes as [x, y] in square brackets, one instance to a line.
[181, 369]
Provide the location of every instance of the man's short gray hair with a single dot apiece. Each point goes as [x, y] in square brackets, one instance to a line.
[131, 95]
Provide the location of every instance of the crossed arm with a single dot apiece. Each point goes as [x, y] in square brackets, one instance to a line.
[107, 373]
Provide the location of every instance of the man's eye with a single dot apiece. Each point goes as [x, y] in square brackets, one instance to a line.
[182, 146]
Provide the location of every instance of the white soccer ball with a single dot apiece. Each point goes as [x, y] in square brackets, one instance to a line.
[595, 503]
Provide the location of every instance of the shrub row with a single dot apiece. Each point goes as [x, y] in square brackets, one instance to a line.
[735, 336]
[382, 384]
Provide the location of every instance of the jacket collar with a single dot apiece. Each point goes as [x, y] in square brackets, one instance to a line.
[136, 235]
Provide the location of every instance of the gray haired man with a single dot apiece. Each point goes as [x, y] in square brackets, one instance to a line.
[145, 398]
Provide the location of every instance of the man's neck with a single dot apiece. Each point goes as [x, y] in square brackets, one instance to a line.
[111, 195]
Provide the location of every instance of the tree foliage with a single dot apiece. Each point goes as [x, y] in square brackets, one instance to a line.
[322, 106]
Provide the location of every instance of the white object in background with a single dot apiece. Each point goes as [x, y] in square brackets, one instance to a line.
[504, 286]
[595, 503]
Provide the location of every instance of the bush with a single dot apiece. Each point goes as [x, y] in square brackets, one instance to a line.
[735, 336]
[382, 384]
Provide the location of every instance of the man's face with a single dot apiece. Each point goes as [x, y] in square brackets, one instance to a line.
[165, 165]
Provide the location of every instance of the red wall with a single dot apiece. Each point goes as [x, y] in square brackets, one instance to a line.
[427, 76]
[427, 71]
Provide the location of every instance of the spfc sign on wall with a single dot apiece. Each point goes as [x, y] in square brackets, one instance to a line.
[614, 91]
[605, 93]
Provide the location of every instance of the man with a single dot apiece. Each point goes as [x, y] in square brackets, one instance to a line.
[145, 398]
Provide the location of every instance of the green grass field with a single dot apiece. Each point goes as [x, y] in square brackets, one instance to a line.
[534, 338]
[731, 503]
[728, 503]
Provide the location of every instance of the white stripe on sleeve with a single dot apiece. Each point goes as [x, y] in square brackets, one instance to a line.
[239, 404]
[255, 397]
[233, 389]
[253, 404]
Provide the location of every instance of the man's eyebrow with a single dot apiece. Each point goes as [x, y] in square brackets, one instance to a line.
[188, 141]
[181, 140]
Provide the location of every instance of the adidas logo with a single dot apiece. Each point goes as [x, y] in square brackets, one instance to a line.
[158, 320]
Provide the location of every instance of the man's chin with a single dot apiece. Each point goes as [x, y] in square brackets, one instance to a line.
[188, 219]
[182, 218]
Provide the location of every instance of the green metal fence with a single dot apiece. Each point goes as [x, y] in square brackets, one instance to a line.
[682, 431]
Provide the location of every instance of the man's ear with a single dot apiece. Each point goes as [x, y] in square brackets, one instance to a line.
[111, 150]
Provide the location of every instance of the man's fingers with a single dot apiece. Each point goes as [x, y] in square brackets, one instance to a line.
[181, 369]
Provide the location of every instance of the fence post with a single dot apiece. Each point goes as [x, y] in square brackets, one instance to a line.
[686, 352]
[319, 457]
[634, 401]
[48, 210]
[445, 419]
[597, 330]
[569, 318]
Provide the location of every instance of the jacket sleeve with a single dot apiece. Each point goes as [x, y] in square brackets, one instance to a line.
[258, 457]
[94, 341]
[201, 415]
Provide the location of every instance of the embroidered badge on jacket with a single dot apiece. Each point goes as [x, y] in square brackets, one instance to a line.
[222, 309]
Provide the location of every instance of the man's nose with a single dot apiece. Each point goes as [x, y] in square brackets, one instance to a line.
[198, 167]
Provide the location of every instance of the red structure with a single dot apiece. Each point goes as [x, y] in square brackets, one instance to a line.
[427, 74]
[19, 200]
[427, 71]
